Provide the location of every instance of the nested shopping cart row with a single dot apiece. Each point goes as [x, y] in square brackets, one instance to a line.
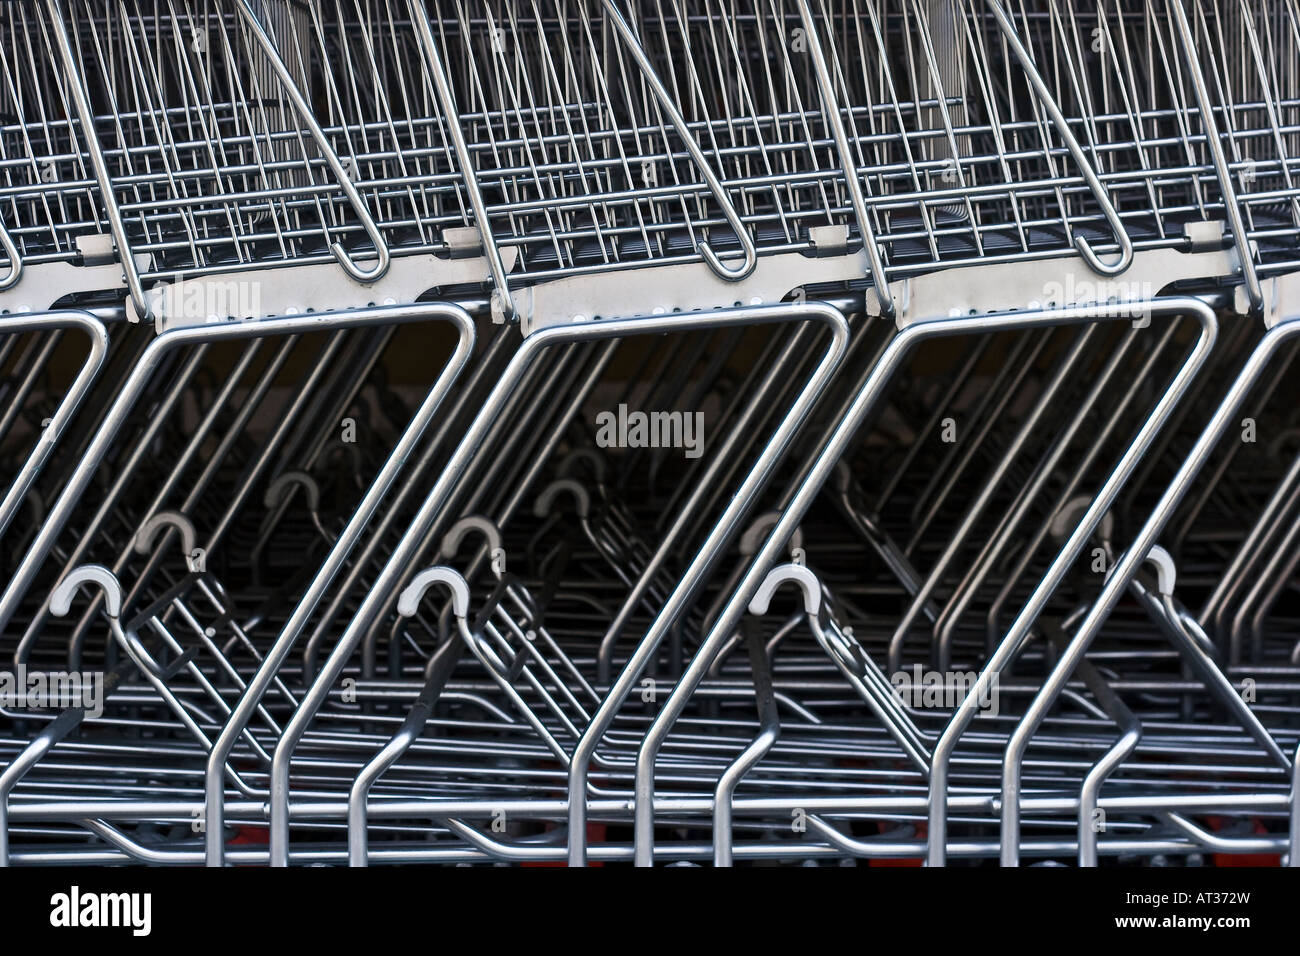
[370, 583]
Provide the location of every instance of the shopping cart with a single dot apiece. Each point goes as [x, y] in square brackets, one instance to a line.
[969, 563]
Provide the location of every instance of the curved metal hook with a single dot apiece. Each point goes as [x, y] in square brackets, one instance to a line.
[1063, 130]
[711, 257]
[15, 259]
[61, 598]
[624, 30]
[148, 533]
[344, 258]
[484, 526]
[796, 574]
[752, 537]
[277, 492]
[542, 507]
[1166, 571]
[305, 114]
[1125, 259]
[409, 601]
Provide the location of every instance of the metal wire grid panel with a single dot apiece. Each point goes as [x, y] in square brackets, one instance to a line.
[49, 195]
[591, 136]
[1251, 53]
[216, 167]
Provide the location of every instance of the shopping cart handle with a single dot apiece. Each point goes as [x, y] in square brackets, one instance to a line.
[409, 601]
[61, 599]
[795, 574]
